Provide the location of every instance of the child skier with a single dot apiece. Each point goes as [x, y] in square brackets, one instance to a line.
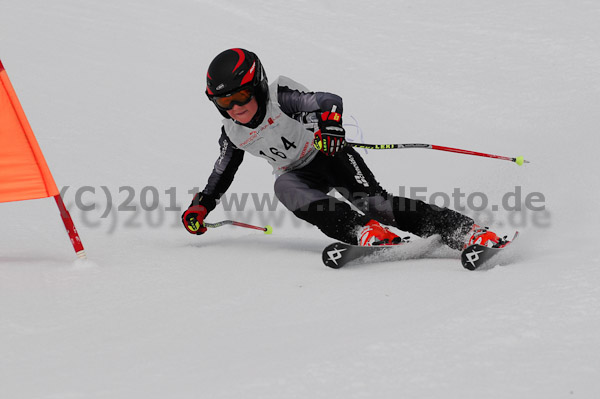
[300, 134]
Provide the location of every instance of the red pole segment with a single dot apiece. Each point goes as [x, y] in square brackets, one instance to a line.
[267, 229]
[249, 226]
[70, 226]
[467, 152]
[517, 160]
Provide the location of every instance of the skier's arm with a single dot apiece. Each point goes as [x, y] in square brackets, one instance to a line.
[218, 182]
[294, 101]
[331, 136]
[223, 172]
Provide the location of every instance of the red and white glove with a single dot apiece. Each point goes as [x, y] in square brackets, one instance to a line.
[193, 219]
[331, 136]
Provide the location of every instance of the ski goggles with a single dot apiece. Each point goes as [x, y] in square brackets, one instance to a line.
[240, 97]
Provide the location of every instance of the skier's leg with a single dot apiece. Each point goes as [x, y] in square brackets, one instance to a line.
[358, 184]
[304, 192]
[354, 181]
[424, 220]
[334, 218]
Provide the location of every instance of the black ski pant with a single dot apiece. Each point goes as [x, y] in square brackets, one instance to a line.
[305, 191]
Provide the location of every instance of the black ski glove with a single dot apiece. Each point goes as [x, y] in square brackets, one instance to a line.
[331, 136]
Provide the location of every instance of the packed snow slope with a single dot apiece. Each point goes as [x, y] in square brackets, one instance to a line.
[114, 91]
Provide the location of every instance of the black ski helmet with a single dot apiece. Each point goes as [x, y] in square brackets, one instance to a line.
[234, 69]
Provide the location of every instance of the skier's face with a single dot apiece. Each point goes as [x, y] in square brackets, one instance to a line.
[244, 113]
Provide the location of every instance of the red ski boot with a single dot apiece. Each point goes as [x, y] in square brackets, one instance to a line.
[483, 236]
[375, 234]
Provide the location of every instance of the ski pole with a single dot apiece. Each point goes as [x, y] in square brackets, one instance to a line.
[518, 160]
[267, 229]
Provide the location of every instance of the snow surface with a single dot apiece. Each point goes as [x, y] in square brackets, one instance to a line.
[114, 91]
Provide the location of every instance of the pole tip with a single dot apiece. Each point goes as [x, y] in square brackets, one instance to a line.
[520, 161]
[268, 229]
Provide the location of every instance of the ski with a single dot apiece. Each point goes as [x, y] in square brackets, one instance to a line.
[475, 256]
[339, 254]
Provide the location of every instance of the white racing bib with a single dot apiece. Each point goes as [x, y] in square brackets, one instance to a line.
[284, 142]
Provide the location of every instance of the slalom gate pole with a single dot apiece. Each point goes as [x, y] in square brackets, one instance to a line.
[518, 160]
[267, 229]
[70, 226]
